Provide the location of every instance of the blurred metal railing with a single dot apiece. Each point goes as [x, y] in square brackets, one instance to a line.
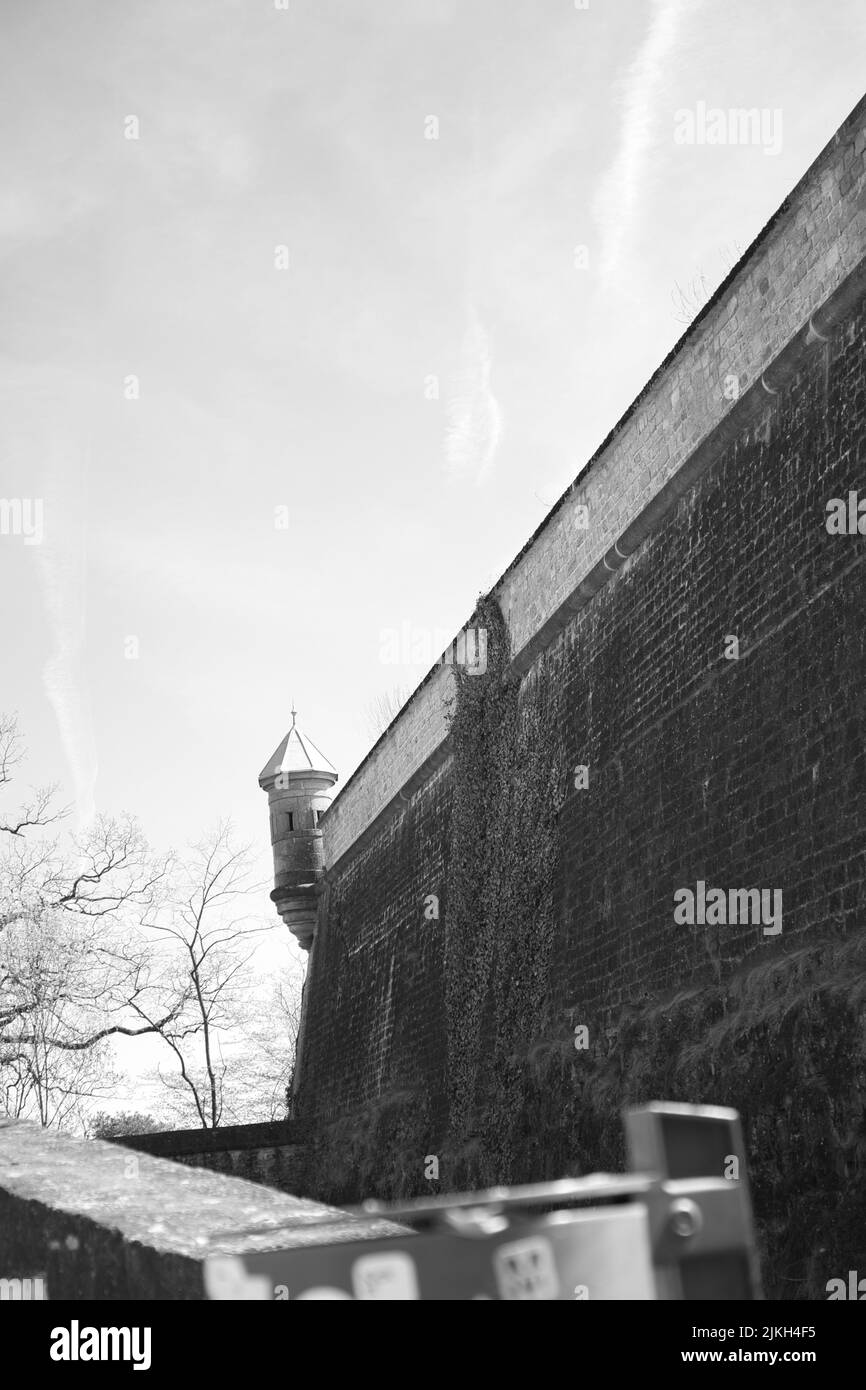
[678, 1225]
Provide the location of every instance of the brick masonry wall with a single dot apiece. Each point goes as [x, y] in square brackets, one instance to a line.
[375, 1015]
[400, 755]
[814, 242]
[739, 773]
[743, 773]
[273, 1154]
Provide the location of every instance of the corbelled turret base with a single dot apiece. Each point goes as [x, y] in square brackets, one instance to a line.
[299, 910]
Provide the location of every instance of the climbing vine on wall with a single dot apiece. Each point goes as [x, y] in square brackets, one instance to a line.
[507, 787]
[784, 1042]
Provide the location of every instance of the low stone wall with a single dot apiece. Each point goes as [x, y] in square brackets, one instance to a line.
[273, 1154]
[95, 1220]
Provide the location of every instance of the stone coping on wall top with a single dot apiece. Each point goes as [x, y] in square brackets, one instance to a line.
[438, 760]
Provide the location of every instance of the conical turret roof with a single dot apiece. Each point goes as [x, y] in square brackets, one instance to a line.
[296, 753]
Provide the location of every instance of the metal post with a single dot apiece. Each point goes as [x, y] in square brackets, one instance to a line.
[701, 1229]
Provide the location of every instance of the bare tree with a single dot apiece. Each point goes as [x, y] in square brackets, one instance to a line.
[45, 1075]
[384, 707]
[102, 1125]
[688, 300]
[54, 1087]
[100, 939]
[263, 1073]
[211, 949]
[75, 965]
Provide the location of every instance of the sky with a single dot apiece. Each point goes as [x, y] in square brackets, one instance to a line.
[310, 314]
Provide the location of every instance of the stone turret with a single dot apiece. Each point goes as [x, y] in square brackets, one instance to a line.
[298, 780]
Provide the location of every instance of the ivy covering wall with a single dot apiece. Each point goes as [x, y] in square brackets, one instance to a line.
[507, 784]
[784, 1044]
[783, 1041]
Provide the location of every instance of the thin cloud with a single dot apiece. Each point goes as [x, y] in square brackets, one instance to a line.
[617, 199]
[474, 419]
[62, 571]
